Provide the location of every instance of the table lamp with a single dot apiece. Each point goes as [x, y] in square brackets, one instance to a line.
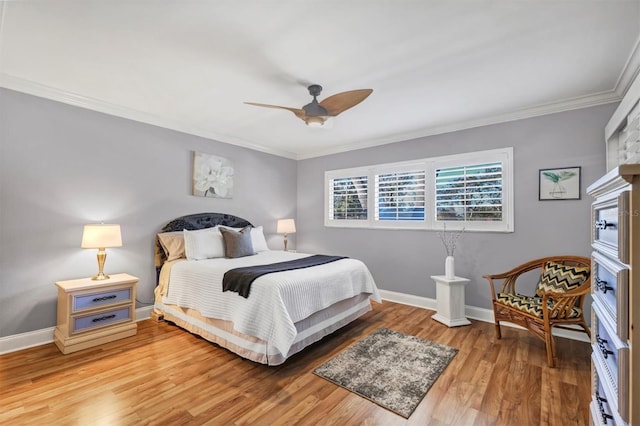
[286, 226]
[101, 236]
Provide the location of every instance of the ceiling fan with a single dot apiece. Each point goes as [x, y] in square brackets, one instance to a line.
[316, 113]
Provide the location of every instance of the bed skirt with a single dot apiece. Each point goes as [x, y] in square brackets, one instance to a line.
[221, 332]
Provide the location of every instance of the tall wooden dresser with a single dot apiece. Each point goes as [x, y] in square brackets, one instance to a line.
[615, 237]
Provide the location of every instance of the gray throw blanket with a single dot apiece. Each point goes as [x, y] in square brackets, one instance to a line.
[240, 279]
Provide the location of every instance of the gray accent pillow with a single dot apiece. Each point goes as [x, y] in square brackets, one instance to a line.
[237, 244]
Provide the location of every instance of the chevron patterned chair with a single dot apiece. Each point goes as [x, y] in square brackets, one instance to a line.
[558, 301]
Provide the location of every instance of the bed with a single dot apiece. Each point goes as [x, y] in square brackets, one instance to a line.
[283, 313]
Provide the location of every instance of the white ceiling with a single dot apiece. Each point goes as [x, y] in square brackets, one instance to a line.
[434, 66]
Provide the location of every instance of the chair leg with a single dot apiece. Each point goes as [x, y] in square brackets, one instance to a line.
[548, 337]
[498, 331]
[586, 329]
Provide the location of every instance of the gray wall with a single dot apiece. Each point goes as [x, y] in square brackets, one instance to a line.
[403, 260]
[62, 167]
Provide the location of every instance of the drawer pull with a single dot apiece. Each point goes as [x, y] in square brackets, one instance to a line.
[602, 285]
[111, 296]
[108, 317]
[603, 224]
[604, 415]
[601, 344]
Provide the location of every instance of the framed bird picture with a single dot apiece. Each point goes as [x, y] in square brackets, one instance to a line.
[559, 184]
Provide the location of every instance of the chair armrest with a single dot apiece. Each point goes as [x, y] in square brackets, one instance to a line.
[562, 303]
[579, 291]
[510, 277]
[493, 290]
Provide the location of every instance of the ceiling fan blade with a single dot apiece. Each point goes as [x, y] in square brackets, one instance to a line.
[343, 101]
[297, 111]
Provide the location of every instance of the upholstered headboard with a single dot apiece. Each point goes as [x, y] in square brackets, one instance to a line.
[192, 222]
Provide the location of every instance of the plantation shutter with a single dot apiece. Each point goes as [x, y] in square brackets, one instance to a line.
[348, 198]
[400, 196]
[469, 193]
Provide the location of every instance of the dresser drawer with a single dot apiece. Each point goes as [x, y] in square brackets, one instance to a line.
[611, 358]
[89, 322]
[611, 290]
[103, 298]
[602, 412]
[610, 225]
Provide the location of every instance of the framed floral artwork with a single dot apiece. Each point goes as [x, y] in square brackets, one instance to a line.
[212, 176]
[559, 184]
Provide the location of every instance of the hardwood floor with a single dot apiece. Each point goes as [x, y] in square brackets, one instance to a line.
[164, 375]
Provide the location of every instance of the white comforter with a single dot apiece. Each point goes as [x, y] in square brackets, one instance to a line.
[276, 301]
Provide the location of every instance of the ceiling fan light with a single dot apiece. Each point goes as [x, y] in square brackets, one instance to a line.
[314, 121]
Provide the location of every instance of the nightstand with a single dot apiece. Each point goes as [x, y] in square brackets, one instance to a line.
[91, 313]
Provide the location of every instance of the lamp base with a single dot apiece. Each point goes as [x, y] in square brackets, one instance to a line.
[102, 256]
[100, 276]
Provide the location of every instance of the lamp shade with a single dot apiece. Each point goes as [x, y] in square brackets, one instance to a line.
[286, 226]
[101, 236]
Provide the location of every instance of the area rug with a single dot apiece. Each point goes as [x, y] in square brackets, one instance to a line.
[389, 368]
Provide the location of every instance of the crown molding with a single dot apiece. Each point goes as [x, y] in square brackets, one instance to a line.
[2, 15]
[47, 92]
[628, 75]
[601, 98]
[630, 70]
[43, 91]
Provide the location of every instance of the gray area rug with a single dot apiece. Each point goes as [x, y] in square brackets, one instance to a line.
[389, 368]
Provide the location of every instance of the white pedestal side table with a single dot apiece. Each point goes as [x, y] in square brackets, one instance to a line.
[450, 301]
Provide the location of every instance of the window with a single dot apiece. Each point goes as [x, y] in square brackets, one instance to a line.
[471, 190]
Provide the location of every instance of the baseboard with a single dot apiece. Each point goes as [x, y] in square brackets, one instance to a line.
[472, 312]
[408, 299]
[30, 339]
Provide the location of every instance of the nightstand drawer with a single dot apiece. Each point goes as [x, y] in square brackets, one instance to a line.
[90, 322]
[88, 301]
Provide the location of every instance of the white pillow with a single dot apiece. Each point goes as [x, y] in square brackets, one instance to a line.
[258, 240]
[203, 244]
